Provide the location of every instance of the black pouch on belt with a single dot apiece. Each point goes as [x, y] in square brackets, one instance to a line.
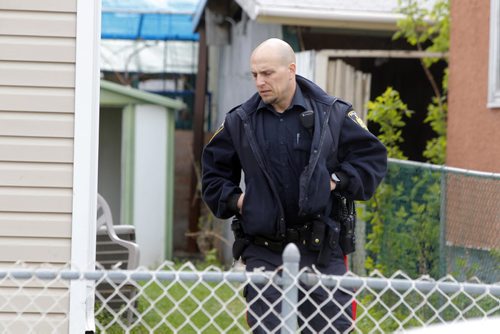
[331, 242]
[317, 236]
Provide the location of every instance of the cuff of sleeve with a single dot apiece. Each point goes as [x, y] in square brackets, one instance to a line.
[344, 181]
[232, 202]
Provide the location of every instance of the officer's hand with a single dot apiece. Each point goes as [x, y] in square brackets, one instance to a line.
[332, 185]
[239, 204]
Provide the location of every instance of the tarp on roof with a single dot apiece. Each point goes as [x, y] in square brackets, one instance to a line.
[148, 19]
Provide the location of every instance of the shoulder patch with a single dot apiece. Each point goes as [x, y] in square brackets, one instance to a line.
[352, 115]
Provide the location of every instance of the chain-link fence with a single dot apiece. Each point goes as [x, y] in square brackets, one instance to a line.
[434, 220]
[187, 300]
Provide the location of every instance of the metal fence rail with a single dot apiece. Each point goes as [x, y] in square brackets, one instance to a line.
[431, 220]
[187, 300]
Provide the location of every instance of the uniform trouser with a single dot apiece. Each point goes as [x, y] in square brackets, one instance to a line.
[321, 311]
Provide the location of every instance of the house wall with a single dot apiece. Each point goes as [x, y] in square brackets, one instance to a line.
[150, 183]
[235, 84]
[473, 129]
[37, 82]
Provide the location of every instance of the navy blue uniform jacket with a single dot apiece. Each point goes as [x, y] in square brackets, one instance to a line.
[342, 146]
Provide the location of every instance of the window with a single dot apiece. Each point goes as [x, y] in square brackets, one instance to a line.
[494, 67]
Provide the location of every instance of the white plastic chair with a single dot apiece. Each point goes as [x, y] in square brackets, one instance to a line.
[105, 223]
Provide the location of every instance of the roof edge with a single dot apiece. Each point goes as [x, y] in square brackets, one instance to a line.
[198, 13]
[146, 97]
[323, 18]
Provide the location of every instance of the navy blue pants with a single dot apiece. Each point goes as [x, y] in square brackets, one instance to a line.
[319, 312]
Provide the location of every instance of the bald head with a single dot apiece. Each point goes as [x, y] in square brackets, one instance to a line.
[275, 48]
[273, 69]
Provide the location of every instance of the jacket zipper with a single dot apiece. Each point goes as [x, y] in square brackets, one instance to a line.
[253, 145]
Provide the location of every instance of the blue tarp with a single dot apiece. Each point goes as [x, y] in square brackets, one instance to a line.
[148, 19]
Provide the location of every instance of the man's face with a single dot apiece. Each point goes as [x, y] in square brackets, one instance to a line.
[272, 79]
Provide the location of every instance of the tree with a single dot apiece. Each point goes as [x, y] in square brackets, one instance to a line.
[429, 30]
[403, 216]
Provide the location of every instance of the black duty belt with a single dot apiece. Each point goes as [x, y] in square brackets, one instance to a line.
[296, 235]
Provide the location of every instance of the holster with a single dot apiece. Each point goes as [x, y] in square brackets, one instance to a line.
[240, 240]
[345, 213]
[347, 237]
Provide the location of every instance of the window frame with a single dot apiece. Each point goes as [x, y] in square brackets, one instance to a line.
[494, 56]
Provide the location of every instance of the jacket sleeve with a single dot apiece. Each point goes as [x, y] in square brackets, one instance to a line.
[362, 161]
[221, 174]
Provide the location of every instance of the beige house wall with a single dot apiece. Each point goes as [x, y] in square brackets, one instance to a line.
[37, 89]
[473, 129]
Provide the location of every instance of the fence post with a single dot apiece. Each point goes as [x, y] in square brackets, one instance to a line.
[291, 259]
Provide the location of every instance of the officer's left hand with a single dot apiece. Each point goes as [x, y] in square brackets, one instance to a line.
[332, 185]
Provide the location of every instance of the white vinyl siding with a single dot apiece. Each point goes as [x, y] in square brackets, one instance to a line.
[24, 23]
[36, 99]
[37, 74]
[42, 49]
[21, 174]
[29, 124]
[37, 103]
[37, 5]
[36, 149]
[55, 225]
[14, 248]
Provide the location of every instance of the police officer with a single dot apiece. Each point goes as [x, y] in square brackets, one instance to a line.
[298, 147]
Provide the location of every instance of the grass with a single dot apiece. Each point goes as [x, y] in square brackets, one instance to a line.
[180, 307]
[202, 307]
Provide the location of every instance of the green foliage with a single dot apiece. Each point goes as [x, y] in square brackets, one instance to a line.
[463, 265]
[389, 112]
[404, 215]
[393, 312]
[423, 26]
[403, 223]
[435, 150]
[431, 27]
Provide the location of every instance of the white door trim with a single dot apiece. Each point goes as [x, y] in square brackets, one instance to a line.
[86, 138]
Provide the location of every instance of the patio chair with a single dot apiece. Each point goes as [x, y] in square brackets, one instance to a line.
[115, 249]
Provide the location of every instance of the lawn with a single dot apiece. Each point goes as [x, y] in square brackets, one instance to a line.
[179, 307]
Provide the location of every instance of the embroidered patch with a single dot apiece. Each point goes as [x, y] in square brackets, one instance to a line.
[352, 115]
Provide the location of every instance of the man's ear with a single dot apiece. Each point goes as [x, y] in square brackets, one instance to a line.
[293, 69]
